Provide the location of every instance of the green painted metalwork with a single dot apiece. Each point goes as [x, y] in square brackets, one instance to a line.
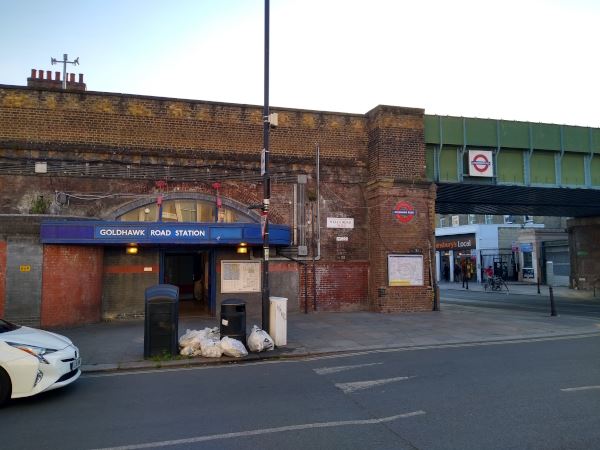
[448, 164]
[514, 134]
[546, 136]
[432, 129]
[543, 168]
[576, 139]
[430, 161]
[573, 173]
[510, 166]
[595, 169]
[480, 132]
[525, 153]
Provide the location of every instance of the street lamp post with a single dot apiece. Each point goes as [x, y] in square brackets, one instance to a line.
[266, 182]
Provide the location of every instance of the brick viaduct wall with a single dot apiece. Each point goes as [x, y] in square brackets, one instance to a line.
[584, 252]
[105, 143]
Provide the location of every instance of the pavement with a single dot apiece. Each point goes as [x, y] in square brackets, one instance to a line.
[119, 345]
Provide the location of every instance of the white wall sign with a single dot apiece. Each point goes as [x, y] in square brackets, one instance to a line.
[405, 270]
[340, 222]
[341, 238]
[240, 276]
[481, 163]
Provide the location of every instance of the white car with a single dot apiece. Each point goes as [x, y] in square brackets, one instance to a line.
[34, 361]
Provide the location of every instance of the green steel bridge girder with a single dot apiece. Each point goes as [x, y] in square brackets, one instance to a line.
[524, 153]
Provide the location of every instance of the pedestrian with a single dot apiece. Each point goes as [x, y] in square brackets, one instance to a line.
[456, 272]
[446, 272]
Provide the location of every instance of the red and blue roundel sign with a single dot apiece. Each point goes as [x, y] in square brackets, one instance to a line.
[404, 212]
[481, 163]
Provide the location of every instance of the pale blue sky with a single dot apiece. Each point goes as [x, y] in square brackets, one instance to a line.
[533, 60]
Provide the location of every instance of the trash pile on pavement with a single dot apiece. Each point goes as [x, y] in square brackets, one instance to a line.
[208, 343]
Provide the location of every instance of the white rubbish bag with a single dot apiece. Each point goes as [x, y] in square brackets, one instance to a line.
[259, 340]
[211, 348]
[191, 342]
[233, 347]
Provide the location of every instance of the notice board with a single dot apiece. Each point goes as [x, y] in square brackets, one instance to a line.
[240, 276]
[405, 270]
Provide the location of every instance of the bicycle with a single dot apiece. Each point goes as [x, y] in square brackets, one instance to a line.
[495, 283]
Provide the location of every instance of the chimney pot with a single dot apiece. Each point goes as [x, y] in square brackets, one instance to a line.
[48, 75]
[41, 74]
[33, 73]
[71, 78]
[81, 78]
[57, 76]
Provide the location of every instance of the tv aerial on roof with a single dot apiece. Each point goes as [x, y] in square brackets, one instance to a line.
[64, 62]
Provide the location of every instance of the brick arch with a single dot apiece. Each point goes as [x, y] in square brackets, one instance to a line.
[230, 203]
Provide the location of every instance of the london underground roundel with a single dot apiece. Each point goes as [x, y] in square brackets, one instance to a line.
[404, 212]
[480, 163]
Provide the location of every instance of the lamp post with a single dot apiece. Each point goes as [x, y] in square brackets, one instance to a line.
[266, 182]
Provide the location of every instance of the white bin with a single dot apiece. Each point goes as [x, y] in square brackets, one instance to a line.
[278, 320]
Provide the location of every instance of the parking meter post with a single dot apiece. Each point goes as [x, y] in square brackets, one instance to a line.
[552, 305]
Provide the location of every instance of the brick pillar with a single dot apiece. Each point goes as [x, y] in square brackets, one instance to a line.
[401, 208]
[584, 250]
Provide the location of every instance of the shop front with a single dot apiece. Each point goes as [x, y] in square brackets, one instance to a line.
[455, 257]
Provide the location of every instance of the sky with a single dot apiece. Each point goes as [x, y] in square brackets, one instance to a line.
[528, 60]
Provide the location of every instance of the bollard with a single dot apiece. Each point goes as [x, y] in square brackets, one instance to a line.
[552, 306]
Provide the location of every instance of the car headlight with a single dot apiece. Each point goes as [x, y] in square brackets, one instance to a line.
[38, 352]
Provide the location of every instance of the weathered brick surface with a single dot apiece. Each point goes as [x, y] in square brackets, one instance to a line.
[117, 146]
[95, 121]
[71, 285]
[584, 250]
[334, 286]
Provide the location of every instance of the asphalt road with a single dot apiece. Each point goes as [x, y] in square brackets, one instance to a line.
[534, 395]
[535, 303]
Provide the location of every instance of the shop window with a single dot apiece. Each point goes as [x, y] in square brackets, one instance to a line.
[489, 219]
[472, 219]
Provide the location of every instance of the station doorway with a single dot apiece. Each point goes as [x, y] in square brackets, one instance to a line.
[192, 272]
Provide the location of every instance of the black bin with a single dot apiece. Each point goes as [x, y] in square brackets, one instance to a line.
[233, 319]
[162, 320]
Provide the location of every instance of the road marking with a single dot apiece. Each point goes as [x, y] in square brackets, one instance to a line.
[330, 370]
[581, 388]
[307, 426]
[360, 385]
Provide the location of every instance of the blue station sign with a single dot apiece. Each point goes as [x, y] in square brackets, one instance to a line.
[97, 232]
[164, 232]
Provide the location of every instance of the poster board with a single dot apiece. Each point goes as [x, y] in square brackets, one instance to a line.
[405, 270]
[240, 276]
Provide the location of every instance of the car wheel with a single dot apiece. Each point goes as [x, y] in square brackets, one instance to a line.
[5, 386]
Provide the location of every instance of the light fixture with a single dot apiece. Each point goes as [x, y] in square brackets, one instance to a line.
[132, 249]
[242, 248]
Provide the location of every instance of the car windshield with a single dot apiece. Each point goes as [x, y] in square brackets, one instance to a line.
[7, 326]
